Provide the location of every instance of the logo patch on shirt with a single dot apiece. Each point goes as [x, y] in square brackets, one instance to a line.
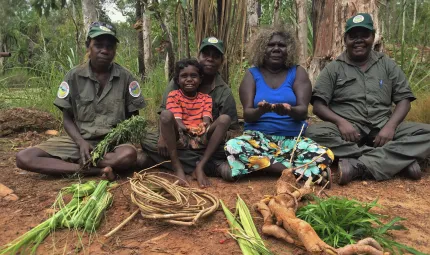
[134, 89]
[63, 90]
[358, 19]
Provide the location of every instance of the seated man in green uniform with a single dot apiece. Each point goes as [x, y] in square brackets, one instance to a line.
[94, 97]
[211, 57]
[355, 95]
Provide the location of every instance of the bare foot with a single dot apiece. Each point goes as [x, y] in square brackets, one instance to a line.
[108, 174]
[182, 179]
[202, 179]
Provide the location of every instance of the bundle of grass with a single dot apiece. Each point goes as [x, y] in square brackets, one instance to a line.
[132, 130]
[84, 211]
[340, 222]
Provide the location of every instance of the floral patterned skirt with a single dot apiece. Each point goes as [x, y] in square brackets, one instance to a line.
[255, 150]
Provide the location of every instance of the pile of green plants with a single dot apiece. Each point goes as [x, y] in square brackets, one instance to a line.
[340, 221]
[84, 211]
[129, 131]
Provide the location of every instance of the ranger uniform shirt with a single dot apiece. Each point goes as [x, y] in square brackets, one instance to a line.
[222, 99]
[96, 115]
[363, 98]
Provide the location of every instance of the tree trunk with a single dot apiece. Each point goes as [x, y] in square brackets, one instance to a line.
[1, 50]
[146, 33]
[170, 58]
[329, 19]
[415, 14]
[403, 32]
[302, 31]
[252, 13]
[276, 7]
[90, 11]
[187, 38]
[141, 63]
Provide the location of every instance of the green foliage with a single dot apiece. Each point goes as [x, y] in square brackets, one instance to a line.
[85, 211]
[153, 89]
[129, 131]
[340, 221]
[243, 229]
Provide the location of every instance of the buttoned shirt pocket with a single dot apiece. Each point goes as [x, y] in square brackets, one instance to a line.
[386, 90]
[344, 89]
[117, 108]
[85, 110]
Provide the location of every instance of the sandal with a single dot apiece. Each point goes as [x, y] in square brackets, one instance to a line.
[327, 177]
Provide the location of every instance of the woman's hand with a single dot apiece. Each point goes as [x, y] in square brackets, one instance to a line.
[281, 109]
[264, 106]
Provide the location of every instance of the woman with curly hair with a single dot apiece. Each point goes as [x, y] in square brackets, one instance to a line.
[275, 94]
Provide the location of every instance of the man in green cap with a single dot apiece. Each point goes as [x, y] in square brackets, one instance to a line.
[354, 95]
[94, 97]
[211, 57]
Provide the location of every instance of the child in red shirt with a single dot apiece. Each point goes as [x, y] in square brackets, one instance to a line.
[187, 122]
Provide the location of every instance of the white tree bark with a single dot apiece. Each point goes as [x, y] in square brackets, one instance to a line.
[90, 11]
[302, 31]
[252, 13]
[146, 31]
[276, 6]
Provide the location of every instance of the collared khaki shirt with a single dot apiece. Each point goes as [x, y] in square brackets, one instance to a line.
[222, 99]
[96, 115]
[363, 98]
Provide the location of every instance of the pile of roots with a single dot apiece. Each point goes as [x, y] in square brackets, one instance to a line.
[280, 221]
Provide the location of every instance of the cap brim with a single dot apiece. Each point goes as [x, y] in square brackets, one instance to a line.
[360, 25]
[211, 45]
[104, 33]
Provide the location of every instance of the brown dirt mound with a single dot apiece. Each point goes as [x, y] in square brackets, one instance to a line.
[17, 120]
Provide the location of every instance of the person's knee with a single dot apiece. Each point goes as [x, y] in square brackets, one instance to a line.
[224, 120]
[323, 129]
[128, 156]
[166, 116]
[24, 159]
[311, 131]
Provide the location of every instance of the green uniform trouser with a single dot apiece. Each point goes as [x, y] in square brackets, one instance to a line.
[188, 157]
[411, 142]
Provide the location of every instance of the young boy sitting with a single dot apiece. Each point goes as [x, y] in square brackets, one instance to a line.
[187, 122]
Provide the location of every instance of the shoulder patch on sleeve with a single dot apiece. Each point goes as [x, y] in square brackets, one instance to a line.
[63, 90]
[134, 89]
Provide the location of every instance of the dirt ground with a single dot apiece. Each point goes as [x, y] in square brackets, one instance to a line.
[399, 197]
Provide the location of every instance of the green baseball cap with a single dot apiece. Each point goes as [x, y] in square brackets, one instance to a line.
[360, 20]
[101, 28]
[212, 41]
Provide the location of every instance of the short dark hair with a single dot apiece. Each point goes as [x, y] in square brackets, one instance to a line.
[181, 64]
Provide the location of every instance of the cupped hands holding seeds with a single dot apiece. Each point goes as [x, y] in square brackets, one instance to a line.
[280, 109]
